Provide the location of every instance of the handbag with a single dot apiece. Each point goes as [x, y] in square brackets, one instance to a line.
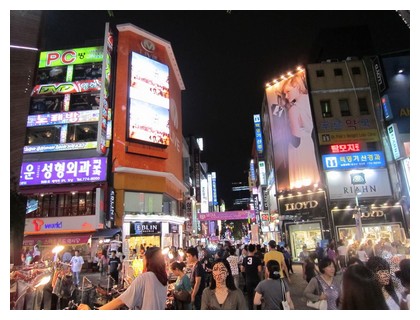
[320, 304]
[182, 296]
[284, 302]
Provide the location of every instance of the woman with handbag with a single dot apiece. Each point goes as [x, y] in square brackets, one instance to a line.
[323, 290]
[273, 292]
[182, 288]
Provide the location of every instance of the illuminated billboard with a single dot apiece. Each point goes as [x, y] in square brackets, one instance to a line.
[292, 133]
[341, 186]
[70, 56]
[346, 161]
[258, 134]
[62, 118]
[148, 118]
[63, 171]
[69, 107]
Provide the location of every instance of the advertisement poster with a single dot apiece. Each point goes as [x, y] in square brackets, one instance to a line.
[149, 101]
[292, 133]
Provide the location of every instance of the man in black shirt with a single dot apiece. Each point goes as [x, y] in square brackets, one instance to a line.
[252, 266]
[114, 266]
[198, 277]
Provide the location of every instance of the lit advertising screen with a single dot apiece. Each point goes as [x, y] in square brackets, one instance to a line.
[148, 118]
[63, 171]
[344, 148]
[347, 161]
[67, 87]
[292, 126]
[70, 56]
[258, 134]
[62, 118]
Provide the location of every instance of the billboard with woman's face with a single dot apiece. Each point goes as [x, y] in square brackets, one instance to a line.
[292, 133]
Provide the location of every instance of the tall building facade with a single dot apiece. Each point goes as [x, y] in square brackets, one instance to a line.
[334, 174]
[104, 155]
[147, 146]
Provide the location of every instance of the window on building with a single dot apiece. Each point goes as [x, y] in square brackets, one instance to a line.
[82, 132]
[363, 106]
[344, 107]
[59, 205]
[84, 101]
[355, 70]
[36, 136]
[338, 71]
[46, 104]
[320, 73]
[326, 108]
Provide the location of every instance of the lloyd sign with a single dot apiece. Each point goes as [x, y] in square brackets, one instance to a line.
[305, 206]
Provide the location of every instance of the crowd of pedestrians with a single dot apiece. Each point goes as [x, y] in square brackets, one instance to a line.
[257, 278]
[341, 276]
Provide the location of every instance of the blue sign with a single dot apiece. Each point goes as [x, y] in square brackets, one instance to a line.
[258, 134]
[346, 161]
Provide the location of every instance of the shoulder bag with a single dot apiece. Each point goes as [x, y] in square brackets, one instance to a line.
[320, 304]
[182, 296]
[284, 302]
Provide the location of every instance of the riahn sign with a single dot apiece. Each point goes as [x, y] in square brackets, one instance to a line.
[376, 184]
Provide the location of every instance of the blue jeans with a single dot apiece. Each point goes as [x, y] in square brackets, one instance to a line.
[76, 276]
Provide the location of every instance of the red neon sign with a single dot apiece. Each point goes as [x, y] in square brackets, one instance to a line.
[343, 148]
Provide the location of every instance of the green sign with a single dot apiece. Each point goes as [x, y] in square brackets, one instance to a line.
[70, 57]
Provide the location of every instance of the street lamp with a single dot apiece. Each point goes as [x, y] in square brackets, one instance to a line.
[358, 219]
[356, 179]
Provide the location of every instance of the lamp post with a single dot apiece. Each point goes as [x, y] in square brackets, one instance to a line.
[358, 219]
[357, 179]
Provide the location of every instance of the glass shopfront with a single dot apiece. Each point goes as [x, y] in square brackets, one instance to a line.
[308, 234]
[384, 222]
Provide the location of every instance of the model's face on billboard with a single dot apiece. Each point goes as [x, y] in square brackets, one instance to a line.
[291, 93]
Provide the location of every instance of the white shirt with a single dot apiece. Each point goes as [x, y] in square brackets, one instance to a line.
[76, 263]
[145, 293]
[392, 305]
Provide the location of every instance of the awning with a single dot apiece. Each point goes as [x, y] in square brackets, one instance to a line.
[55, 239]
[106, 233]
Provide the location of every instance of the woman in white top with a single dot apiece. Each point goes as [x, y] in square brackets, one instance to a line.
[148, 291]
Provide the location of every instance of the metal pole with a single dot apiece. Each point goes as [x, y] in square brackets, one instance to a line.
[358, 220]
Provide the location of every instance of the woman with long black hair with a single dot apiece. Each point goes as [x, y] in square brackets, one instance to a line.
[381, 269]
[222, 293]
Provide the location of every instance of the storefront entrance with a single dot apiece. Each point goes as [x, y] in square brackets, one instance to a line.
[303, 234]
[135, 242]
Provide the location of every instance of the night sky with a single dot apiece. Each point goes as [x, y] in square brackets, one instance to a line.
[225, 59]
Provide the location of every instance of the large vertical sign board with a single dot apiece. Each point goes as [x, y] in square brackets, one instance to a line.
[148, 119]
[292, 133]
[106, 79]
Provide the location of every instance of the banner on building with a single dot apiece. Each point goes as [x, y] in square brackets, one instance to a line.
[295, 159]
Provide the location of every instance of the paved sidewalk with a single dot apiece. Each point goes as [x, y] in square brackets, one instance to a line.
[297, 285]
